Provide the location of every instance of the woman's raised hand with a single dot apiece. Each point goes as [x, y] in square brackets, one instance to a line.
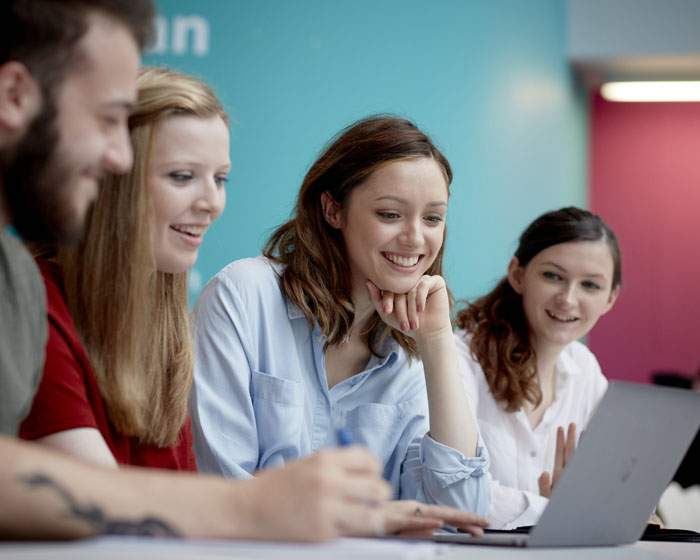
[565, 448]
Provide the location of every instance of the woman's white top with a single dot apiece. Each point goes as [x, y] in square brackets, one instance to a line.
[518, 453]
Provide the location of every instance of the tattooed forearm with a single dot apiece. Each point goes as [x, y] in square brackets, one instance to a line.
[95, 517]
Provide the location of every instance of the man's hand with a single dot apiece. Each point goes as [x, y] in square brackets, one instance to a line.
[334, 493]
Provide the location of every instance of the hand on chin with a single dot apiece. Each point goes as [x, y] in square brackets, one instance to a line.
[421, 311]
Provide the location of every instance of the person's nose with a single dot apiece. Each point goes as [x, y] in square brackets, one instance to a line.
[118, 156]
[412, 233]
[567, 295]
[212, 198]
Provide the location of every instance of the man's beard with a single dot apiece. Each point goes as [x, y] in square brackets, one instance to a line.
[37, 183]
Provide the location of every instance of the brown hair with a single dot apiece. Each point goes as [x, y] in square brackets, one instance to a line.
[316, 275]
[132, 319]
[500, 338]
[43, 34]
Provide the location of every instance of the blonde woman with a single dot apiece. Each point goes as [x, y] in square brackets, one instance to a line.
[119, 356]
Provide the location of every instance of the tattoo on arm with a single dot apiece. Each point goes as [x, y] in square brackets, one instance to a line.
[94, 516]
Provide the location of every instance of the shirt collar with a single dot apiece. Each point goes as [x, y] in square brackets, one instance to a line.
[388, 349]
[293, 312]
[387, 346]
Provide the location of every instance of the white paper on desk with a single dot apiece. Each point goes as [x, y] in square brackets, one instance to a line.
[118, 548]
[344, 549]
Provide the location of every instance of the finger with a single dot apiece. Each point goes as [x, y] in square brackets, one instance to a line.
[422, 292]
[434, 284]
[358, 520]
[359, 472]
[418, 509]
[411, 311]
[368, 491]
[351, 472]
[570, 442]
[375, 294]
[453, 516]
[410, 524]
[363, 489]
[402, 507]
[473, 530]
[543, 482]
[388, 302]
[382, 301]
[400, 313]
[559, 454]
[465, 521]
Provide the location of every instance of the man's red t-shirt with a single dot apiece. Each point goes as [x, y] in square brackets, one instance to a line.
[68, 395]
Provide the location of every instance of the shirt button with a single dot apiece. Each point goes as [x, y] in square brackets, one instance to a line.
[533, 454]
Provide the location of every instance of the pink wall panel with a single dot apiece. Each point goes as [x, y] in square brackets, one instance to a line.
[645, 182]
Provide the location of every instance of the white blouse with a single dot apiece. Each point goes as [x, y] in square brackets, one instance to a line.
[518, 453]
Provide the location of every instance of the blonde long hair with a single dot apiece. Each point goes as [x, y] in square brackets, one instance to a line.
[132, 319]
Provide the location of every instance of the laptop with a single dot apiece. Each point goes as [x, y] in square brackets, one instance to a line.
[626, 457]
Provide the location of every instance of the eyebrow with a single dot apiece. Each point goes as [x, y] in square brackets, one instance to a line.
[191, 163]
[404, 201]
[129, 106]
[555, 265]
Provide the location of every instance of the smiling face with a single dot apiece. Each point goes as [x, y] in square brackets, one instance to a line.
[393, 224]
[565, 289]
[186, 171]
[77, 137]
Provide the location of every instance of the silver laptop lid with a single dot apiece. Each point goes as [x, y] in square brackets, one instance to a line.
[626, 457]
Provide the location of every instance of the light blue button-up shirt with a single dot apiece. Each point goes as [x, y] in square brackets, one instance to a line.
[260, 396]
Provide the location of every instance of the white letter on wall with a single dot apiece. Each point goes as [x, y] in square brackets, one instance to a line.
[199, 26]
[161, 43]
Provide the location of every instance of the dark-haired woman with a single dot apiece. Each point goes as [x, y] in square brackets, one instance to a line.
[346, 322]
[531, 384]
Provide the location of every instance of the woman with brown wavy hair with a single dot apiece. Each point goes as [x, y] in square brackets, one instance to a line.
[345, 322]
[526, 375]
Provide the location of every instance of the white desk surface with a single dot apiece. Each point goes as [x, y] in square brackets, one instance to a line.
[113, 548]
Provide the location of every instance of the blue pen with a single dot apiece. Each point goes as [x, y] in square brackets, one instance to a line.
[344, 437]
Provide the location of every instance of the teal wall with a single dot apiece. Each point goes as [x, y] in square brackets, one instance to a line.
[489, 80]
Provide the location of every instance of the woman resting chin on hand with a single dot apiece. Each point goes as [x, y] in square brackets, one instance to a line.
[346, 321]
